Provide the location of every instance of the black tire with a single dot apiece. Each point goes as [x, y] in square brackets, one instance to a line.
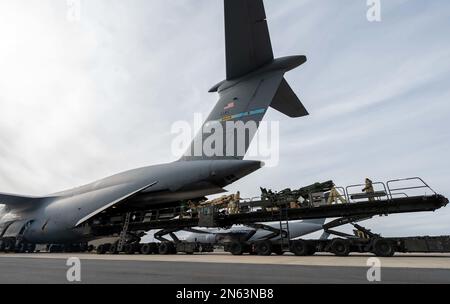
[54, 248]
[20, 248]
[84, 247]
[264, 248]
[312, 251]
[383, 248]
[278, 250]
[340, 247]
[107, 246]
[75, 248]
[113, 249]
[146, 249]
[128, 248]
[165, 248]
[101, 249]
[2, 245]
[173, 248]
[10, 246]
[90, 248]
[31, 248]
[236, 248]
[300, 248]
[155, 248]
[68, 248]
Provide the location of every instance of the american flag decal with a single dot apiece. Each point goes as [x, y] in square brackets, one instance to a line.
[229, 106]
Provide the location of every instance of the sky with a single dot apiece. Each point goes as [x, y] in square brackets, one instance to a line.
[82, 100]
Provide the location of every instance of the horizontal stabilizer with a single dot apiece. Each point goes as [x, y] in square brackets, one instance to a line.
[15, 202]
[287, 102]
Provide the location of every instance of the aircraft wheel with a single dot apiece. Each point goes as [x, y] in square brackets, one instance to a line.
[383, 248]
[9, 245]
[31, 248]
[264, 248]
[20, 247]
[67, 248]
[340, 247]
[54, 248]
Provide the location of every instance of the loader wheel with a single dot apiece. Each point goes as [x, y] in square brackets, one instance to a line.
[300, 248]
[2, 245]
[101, 249]
[153, 248]
[113, 249]
[129, 249]
[236, 248]
[83, 247]
[146, 249]
[383, 248]
[340, 247]
[278, 250]
[165, 248]
[264, 248]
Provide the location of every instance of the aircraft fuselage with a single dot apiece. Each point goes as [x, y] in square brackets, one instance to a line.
[58, 219]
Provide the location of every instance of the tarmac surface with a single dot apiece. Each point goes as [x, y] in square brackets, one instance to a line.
[222, 268]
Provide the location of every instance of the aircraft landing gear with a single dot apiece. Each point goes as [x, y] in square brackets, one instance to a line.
[9, 245]
[14, 245]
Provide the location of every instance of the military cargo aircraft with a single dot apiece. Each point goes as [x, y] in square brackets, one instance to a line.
[254, 82]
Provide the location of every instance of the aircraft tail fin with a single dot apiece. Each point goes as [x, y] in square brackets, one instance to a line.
[248, 45]
[255, 81]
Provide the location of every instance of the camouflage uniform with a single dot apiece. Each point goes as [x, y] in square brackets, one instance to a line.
[369, 189]
[335, 196]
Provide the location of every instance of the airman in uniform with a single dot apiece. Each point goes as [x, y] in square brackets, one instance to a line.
[233, 205]
[335, 197]
[368, 189]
